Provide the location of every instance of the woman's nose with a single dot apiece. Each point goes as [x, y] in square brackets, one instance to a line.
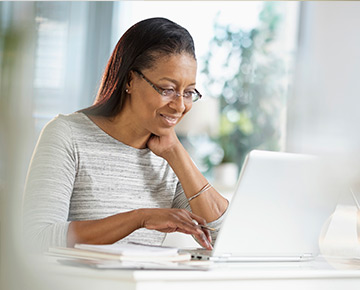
[178, 103]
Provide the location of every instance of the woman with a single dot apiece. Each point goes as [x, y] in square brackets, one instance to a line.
[116, 171]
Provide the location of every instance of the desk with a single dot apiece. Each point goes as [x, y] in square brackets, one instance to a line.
[317, 274]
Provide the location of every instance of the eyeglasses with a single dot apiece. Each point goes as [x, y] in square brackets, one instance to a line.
[170, 94]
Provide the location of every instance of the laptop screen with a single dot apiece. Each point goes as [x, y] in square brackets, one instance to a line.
[279, 207]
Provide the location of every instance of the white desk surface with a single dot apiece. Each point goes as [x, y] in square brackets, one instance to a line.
[317, 274]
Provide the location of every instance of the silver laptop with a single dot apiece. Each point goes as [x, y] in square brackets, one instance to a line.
[277, 211]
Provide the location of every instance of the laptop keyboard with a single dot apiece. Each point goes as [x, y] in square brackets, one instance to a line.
[198, 253]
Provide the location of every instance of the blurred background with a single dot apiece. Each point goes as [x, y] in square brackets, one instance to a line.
[280, 76]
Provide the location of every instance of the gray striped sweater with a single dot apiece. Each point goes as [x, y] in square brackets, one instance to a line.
[78, 172]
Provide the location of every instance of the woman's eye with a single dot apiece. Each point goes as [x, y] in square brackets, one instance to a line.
[189, 94]
[168, 92]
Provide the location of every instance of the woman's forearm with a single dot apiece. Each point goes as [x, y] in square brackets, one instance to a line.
[210, 204]
[114, 228]
[103, 231]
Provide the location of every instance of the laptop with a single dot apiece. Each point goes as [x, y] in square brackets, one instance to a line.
[277, 211]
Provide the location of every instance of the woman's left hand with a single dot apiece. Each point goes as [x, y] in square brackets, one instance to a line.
[161, 145]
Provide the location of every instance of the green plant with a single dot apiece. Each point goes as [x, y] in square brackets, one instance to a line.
[250, 85]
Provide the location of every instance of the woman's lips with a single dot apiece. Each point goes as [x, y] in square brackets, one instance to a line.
[170, 120]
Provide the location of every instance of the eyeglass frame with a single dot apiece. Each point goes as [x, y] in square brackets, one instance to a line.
[161, 90]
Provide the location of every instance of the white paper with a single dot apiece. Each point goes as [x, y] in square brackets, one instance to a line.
[130, 249]
[104, 264]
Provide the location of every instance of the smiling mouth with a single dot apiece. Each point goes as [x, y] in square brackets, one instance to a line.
[170, 120]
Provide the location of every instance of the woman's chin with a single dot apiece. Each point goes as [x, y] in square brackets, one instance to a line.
[163, 131]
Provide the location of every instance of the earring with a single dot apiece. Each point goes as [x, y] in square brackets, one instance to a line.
[127, 91]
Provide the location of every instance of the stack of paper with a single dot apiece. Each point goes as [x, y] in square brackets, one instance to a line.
[121, 252]
[125, 256]
[133, 265]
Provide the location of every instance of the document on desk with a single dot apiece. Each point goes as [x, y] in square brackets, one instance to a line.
[130, 249]
[132, 265]
[121, 252]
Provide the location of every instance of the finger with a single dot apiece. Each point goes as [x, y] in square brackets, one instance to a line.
[207, 234]
[205, 229]
[190, 227]
[203, 240]
[202, 236]
[194, 228]
[190, 223]
[201, 243]
[198, 219]
[201, 222]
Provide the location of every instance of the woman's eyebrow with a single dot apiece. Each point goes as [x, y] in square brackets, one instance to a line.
[175, 81]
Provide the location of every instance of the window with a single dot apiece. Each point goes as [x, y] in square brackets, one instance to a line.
[244, 95]
[74, 41]
[73, 45]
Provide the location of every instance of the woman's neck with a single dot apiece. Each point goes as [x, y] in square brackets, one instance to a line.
[122, 129]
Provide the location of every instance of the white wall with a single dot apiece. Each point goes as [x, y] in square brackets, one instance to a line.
[324, 111]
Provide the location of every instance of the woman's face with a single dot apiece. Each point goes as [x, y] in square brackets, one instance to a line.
[150, 111]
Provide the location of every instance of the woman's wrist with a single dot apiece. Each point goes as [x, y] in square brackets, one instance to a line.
[140, 216]
[172, 154]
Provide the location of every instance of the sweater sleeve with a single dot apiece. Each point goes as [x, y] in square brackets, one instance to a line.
[180, 201]
[48, 187]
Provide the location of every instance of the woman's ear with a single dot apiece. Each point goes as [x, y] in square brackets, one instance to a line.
[130, 81]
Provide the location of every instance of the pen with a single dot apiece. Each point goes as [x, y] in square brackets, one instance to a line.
[203, 226]
[207, 227]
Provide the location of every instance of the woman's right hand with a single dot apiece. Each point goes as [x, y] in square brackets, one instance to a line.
[176, 220]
